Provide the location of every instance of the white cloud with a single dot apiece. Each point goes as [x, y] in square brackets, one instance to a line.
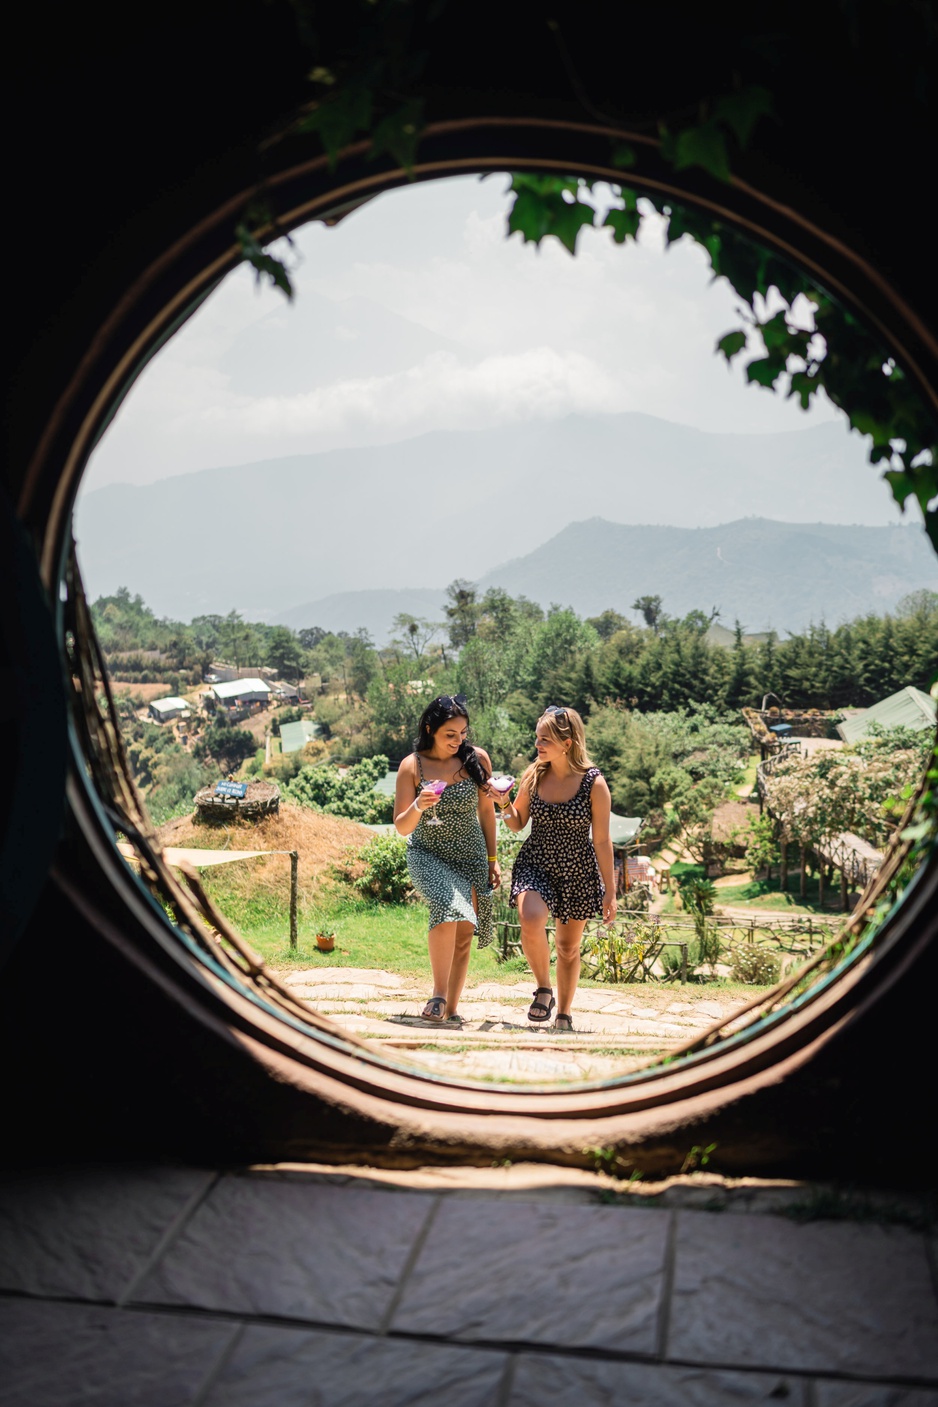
[544, 335]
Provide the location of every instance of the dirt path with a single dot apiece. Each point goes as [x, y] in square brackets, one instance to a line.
[617, 1028]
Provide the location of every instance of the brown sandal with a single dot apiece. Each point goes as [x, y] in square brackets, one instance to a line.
[435, 1010]
[538, 1011]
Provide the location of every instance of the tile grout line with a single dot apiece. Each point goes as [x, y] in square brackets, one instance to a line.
[667, 1289]
[221, 1362]
[188, 1209]
[506, 1386]
[809, 1392]
[411, 1261]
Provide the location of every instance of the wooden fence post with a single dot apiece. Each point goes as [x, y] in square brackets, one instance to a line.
[294, 873]
[804, 874]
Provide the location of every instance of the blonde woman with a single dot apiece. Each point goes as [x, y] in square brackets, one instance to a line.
[560, 871]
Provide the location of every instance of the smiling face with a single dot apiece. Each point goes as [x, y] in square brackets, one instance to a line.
[449, 737]
[549, 749]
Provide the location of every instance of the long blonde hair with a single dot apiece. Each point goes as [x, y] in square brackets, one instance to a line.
[563, 725]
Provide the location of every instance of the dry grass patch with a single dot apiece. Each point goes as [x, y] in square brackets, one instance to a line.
[320, 842]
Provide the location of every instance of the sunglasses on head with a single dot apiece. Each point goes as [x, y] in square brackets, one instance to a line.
[451, 701]
[557, 711]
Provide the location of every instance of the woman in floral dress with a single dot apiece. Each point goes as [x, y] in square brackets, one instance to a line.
[452, 864]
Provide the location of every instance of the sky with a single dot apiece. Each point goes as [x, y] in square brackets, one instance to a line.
[416, 313]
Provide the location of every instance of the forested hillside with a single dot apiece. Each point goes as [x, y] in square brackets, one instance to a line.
[510, 658]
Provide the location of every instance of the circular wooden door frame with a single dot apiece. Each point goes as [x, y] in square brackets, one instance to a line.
[386, 1102]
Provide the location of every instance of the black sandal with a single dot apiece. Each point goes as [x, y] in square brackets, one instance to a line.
[563, 1022]
[434, 1009]
[538, 1012]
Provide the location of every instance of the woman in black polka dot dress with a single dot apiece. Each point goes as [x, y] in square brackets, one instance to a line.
[560, 870]
[450, 853]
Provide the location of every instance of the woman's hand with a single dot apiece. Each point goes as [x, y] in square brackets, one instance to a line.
[429, 797]
[609, 909]
[495, 874]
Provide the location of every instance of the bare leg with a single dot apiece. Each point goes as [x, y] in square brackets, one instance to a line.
[462, 950]
[567, 939]
[534, 913]
[441, 942]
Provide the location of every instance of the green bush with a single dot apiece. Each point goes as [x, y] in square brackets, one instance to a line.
[323, 788]
[383, 873]
[755, 966]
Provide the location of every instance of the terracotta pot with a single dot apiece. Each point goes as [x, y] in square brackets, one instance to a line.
[325, 942]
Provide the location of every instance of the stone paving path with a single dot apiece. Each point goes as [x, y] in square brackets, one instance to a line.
[317, 1287]
[617, 1028]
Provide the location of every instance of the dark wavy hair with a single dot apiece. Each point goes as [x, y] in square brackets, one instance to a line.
[440, 711]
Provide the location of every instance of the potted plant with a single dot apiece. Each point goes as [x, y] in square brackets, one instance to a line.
[325, 942]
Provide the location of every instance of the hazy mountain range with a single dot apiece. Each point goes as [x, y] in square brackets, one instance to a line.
[308, 539]
[765, 574]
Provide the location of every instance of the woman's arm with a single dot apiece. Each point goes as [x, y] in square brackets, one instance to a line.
[601, 805]
[487, 822]
[406, 796]
[516, 814]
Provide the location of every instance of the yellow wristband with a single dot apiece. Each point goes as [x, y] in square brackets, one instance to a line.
[493, 859]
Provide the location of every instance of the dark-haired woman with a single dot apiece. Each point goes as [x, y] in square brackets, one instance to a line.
[452, 864]
[565, 867]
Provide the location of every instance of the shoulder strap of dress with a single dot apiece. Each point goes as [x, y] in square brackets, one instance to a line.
[590, 775]
[419, 764]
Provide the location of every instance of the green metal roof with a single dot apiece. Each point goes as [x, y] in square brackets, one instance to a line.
[295, 736]
[910, 708]
[624, 829]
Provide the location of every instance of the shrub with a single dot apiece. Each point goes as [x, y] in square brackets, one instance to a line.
[381, 870]
[755, 966]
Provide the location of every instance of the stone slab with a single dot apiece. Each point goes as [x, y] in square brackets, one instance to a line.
[62, 1355]
[763, 1291]
[586, 1277]
[262, 1245]
[833, 1394]
[342, 976]
[294, 1368]
[549, 1380]
[85, 1232]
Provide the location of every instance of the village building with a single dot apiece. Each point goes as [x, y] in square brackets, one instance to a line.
[166, 710]
[239, 697]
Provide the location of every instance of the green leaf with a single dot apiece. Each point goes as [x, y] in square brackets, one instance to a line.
[741, 111]
[703, 146]
[765, 371]
[901, 485]
[339, 119]
[569, 220]
[540, 210]
[399, 133]
[623, 223]
[623, 155]
[264, 264]
[732, 344]
[804, 387]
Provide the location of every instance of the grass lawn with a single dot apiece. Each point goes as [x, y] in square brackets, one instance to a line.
[747, 781]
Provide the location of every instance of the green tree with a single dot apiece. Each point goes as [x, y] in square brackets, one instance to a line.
[651, 611]
[285, 653]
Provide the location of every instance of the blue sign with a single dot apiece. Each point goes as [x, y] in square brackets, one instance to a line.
[236, 789]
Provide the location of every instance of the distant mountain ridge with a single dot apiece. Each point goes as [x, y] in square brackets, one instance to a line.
[767, 575]
[263, 537]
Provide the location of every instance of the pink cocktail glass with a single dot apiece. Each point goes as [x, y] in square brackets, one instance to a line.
[438, 788]
[501, 785]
